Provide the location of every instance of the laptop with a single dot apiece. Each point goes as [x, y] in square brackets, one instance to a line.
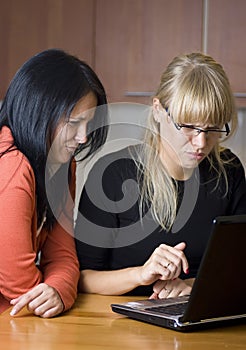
[218, 296]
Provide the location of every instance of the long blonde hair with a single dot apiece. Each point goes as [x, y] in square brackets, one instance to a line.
[195, 89]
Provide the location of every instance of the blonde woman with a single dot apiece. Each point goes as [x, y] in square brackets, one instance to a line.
[145, 232]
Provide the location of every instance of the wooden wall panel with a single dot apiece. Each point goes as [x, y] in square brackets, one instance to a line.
[136, 39]
[128, 42]
[226, 40]
[30, 26]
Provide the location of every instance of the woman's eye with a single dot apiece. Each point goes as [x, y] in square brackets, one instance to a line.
[73, 122]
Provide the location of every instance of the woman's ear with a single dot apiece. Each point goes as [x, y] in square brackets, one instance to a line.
[156, 105]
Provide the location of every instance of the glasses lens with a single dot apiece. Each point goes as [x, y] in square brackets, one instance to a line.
[193, 131]
[189, 131]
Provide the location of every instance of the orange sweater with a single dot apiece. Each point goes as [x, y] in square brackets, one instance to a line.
[19, 243]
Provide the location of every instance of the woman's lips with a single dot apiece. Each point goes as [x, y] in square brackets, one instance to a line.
[196, 156]
[71, 149]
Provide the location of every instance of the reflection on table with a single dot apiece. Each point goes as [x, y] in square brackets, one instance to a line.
[91, 324]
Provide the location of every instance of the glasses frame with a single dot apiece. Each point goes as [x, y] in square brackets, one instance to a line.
[199, 130]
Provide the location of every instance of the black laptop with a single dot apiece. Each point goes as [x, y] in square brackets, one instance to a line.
[218, 296]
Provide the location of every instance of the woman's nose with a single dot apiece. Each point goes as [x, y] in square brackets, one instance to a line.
[81, 135]
[200, 140]
[81, 140]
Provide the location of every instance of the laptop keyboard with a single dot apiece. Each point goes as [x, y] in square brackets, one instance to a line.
[173, 309]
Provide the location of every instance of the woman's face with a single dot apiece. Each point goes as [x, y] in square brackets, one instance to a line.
[70, 134]
[180, 153]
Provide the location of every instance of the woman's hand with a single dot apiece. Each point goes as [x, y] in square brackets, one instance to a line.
[42, 300]
[171, 289]
[165, 263]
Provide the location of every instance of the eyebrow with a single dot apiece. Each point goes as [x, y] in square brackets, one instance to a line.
[83, 117]
[200, 127]
[190, 124]
[76, 119]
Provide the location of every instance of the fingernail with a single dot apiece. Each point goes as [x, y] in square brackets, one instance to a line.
[187, 271]
[12, 312]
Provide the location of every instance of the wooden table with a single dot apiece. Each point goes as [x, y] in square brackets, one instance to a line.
[91, 325]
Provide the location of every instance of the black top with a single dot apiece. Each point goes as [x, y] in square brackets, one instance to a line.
[110, 235]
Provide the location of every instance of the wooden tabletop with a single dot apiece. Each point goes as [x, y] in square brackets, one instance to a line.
[91, 325]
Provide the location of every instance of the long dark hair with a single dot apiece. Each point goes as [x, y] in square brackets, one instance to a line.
[43, 92]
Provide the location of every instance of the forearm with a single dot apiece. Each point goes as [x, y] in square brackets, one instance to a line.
[116, 282]
[59, 265]
[65, 283]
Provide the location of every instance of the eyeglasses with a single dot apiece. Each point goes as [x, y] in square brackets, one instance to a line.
[191, 130]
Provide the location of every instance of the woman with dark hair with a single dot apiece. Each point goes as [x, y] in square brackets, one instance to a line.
[54, 108]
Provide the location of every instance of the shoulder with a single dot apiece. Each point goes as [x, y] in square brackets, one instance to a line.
[15, 170]
[232, 162]
[110, 173]
[227, 154]
[233, 167]
[119, 163]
